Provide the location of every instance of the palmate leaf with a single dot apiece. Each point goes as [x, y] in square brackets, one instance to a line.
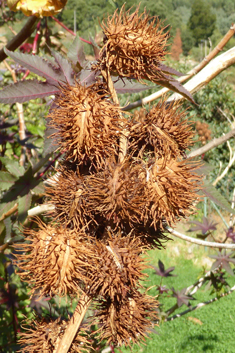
[39, 66]
[6, 180]
[20, 188]
[76, 52]
[65, 67]
[12, 166]
[24, 204]
[24, 91]
[214, 194]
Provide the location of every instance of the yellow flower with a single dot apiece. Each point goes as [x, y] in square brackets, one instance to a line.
[37, 8]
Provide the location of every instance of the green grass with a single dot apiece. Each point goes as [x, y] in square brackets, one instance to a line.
[208, 329]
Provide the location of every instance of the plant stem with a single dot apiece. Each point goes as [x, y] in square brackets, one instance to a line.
[123, 143]
[199, 241]
[69, 30]
[74, 325]
[212, 144]
[24, 33]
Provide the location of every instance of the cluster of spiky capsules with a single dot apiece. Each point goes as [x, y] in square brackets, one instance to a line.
[110, 210]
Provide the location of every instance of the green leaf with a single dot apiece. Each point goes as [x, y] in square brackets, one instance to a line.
[39, 189]
[21, 187]
[12, 166]
[214, 194]
[5, 207]
[6, 180]
[2, 232]
[24, 204]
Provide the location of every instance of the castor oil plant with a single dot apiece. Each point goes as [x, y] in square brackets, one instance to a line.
[123, 179]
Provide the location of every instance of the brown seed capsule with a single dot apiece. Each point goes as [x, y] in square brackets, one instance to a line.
[128, 321]
[171, 191]
[67, 193]
[117, 267]
[163, 130]
[114, 193]
[55, 261]
[87, 124]
[134, 45]
[44, 336]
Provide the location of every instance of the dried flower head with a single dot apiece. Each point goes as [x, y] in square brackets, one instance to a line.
[163, 130]
[37, 8]
[55, 260]
[87, 124]
[128, 321]
[118, 266]
[171, 190]
[44, 336]
[134, 45]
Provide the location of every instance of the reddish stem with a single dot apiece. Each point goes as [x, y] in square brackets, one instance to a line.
[69, 30]
[34, 50]
[49, 165]
[35, 42]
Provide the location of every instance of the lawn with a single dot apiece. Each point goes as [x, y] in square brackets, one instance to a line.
[208, 329]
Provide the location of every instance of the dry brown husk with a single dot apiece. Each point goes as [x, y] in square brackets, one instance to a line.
[164, 130]
[117, 267]
[44, 336]
[67, 192]
[128, 321]
[172, 188]
[87, 123]
[54, 260]
[115, 193]
[134, 45]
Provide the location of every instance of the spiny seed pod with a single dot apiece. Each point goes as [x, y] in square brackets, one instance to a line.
[134, 45]
[128, 321]
[115, 193]
[67, 193]
[117, 268]
[44, 336]
[171, 190]
[55, 260]
[88, 124]
[163, 130]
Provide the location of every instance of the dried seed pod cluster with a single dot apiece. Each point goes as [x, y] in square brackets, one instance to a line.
[121, 183]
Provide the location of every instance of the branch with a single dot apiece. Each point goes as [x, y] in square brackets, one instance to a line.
[191, 73]
[24, 33]
[212, 144]
[231, 161]
[200, 242]
[73, 325]
[214, 68]
[40, 209]
[200, 305]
